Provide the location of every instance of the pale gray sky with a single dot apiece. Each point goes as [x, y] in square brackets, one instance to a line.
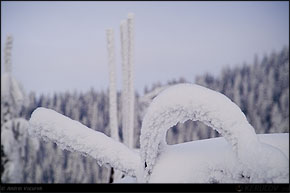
[61, 46]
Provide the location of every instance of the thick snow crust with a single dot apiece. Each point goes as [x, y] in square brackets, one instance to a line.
[74, 136]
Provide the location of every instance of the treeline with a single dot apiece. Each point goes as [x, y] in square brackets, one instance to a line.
[260, 89]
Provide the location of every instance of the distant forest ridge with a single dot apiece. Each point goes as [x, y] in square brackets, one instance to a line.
[260, 89]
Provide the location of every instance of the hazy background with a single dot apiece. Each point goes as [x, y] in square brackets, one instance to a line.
[61, 46]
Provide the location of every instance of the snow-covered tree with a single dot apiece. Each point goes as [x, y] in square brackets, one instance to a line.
[13, 129]
[12, 93]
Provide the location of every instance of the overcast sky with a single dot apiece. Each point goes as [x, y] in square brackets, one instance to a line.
[61, 46]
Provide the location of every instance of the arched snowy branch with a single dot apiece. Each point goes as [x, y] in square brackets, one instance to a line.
[74, 136]
[184, 102]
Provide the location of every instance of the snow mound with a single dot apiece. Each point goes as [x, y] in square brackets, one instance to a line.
[183, 102]
[74, 136]
[211, 161]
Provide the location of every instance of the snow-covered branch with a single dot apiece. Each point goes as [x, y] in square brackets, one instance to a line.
[184, 102]
[74, 136]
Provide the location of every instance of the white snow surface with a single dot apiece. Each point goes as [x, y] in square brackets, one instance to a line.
[182, 102]
[205, 161]
[74, 136]
[213, 161]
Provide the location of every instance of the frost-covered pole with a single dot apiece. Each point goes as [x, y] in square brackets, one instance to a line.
[112, 87]
[125, 97]
[115, 175]
[7, 54]
[131, 78]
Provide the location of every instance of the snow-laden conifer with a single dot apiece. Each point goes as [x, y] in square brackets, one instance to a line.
[13, 129]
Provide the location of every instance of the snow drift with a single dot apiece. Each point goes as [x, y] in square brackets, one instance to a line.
[212, 161]
[241, 156]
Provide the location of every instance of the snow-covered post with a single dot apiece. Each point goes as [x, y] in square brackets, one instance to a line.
[128, 92]
[125, 100]
[131, 78]
[112, 87]
[112, 95]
